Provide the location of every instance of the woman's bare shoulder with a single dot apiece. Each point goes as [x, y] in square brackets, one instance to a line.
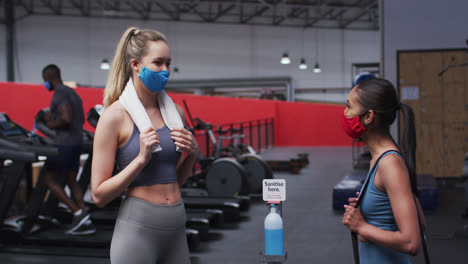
[392, 161]
[392, 169]
[113, 116]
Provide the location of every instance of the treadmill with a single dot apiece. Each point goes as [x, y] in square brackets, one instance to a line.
[231, 208]
[12, 174]
[33, 229]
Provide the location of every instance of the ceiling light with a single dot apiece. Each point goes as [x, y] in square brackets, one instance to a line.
[105, 65]
[317, 68]
[303, 65]
[285, 59]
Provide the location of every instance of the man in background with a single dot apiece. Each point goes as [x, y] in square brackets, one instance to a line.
[66, 117]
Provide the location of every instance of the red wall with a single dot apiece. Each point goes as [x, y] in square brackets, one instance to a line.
[223, 110]
[296, 124]
[310, 124]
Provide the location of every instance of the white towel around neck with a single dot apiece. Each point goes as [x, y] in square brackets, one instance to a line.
[130, 101]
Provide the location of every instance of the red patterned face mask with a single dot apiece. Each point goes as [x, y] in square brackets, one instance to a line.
[353, 126]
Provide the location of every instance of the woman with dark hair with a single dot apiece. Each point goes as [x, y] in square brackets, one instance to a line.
[387, 218]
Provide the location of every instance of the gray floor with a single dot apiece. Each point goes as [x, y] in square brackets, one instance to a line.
[313, 230]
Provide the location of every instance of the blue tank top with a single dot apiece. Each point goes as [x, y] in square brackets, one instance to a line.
[377, 211]
[163, 164]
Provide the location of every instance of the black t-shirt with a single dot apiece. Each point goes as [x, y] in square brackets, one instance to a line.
[72, 134]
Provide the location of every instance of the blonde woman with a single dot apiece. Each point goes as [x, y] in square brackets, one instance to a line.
[150, 227]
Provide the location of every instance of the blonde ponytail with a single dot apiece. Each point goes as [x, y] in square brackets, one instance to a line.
[132, 44]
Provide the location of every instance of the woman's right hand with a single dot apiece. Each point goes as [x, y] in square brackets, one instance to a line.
[147, 140]
[353, 200]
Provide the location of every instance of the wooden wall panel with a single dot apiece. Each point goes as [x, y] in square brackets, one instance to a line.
[454, 135]
[465, 117]
[466, 98]
[431, 110]
[432, 149]
[454, 75]
[454, 102]
[441, 110]
[431, 64]
[410, 68]
[420, 149]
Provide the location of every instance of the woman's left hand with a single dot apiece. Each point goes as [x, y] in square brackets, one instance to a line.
[352, 218]
[185, 140]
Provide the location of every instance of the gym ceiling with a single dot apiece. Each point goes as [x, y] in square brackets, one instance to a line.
[335, 14]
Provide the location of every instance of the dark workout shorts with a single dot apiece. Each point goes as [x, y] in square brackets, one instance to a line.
[67, 160]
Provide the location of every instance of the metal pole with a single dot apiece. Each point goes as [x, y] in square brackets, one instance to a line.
[208, 153]
[10, 31]
[242, 132]
[293, 91]
[259, 137]
[272, 132]
[250, 134]
[288, 92]
[266, 134]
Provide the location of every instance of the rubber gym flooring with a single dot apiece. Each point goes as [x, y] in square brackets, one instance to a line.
[313, 232]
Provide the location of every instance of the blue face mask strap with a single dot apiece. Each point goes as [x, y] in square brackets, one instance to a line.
[142, 67]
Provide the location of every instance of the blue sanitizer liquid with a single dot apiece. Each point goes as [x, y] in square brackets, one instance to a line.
[274, 242]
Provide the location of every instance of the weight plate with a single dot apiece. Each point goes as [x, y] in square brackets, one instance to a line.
[225, 177]
[257, 170]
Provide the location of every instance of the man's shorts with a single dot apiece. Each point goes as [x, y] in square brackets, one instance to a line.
[67, 160]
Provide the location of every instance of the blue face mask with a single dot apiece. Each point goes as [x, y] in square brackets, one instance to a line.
[48, 85]
[154, 81]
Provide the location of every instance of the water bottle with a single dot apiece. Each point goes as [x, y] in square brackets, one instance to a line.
[273, 233]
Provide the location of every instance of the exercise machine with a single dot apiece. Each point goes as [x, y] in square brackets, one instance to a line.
[294, 165]
[227, 170]
[33, 228]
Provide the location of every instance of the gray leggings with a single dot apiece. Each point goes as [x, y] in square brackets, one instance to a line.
[149, 233]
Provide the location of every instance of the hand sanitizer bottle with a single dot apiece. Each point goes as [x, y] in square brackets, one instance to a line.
[273, 233]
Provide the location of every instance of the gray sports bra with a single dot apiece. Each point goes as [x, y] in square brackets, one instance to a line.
[163, 164]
